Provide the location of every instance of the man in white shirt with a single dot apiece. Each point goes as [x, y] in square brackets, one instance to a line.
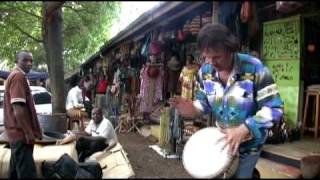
[100, 126]
[98, 135]
[75, 95]
[75, 102]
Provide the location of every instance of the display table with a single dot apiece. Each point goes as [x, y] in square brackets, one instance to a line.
[49, 153]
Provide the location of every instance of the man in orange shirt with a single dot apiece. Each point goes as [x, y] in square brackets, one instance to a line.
[20, 119]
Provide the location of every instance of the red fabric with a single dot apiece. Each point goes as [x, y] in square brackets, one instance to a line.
[245, 12]
[180, 35]
[102, 86]
[155, 48]
[153, 72]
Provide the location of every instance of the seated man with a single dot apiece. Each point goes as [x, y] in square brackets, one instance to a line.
[75, 102]
[98, 135]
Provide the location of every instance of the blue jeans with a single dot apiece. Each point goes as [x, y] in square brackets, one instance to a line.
[247, 163]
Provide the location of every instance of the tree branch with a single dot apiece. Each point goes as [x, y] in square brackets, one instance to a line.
[27, 12]
[25, 33]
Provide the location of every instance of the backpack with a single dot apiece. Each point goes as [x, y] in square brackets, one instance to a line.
[67, 168]
[277, 133]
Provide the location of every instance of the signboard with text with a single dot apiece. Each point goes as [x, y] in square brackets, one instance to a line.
[281, 54]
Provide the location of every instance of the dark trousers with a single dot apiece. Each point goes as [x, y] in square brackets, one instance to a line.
[86, 146]
[22, 164]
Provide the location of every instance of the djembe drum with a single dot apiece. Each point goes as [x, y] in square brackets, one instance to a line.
[204, 157]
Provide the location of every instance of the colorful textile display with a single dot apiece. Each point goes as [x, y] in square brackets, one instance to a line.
[121, 77]
[131, 89]
[150, 88]
[188, 78]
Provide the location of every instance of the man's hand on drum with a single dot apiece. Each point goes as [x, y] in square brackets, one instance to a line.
[235, 136]
[184, 106]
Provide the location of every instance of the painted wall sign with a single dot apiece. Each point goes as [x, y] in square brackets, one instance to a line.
[286, 74]
[281, 39]
[281, 54]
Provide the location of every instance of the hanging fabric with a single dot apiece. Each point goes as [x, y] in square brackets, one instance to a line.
[155, 48]
[245, 13]
[153, 72]
[195, 25]
[180, 35]
[150, 89]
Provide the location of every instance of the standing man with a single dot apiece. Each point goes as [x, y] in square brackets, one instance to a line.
[239, 92]
[20, 119]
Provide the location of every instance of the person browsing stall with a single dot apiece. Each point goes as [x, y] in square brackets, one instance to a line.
[75, 101]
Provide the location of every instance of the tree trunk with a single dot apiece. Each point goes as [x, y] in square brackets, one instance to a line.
[53, 43]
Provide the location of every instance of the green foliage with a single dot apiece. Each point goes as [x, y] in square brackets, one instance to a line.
[16, 22]
[86, 27]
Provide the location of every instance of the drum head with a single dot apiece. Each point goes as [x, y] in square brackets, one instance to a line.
[203, 156]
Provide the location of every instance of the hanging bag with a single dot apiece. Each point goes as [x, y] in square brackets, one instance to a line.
[245, 13]
[154, 45]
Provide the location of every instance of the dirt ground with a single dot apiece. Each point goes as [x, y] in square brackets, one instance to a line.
[146, 162]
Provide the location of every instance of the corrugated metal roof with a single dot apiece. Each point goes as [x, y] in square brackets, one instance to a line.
[142, 19]
[144, 22]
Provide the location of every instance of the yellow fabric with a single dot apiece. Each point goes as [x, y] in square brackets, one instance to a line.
[164, 136]
[188, 78]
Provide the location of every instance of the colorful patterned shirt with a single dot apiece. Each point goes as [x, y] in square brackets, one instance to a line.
[250, 97]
